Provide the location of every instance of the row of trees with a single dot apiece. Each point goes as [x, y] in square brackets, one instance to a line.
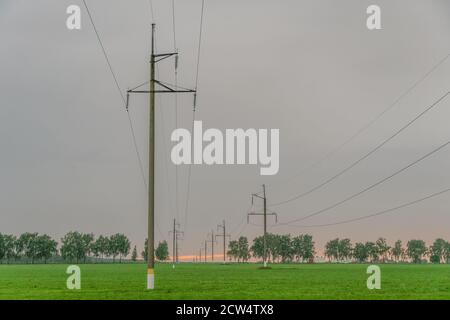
[279, 248]
[31, 246]
[75, 247]
[78, 247]
[379, 251]
[285, 249]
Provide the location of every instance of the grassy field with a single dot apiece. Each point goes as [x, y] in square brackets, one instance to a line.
[191, 281]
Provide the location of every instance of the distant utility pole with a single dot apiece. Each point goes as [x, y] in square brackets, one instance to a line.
[200, 260]
[206, 249]
[175, 237]
[154, 58]
[177, 248]
[265, 214]
[212, 244]
[224, 235]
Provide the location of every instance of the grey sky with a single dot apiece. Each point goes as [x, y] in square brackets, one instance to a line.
[309, 68]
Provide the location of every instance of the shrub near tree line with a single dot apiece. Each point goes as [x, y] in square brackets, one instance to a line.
[161, 251]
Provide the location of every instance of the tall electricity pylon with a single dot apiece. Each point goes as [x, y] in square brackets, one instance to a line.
[224, 235]
[213, 240]
[265, 214]
[175, 237]
[164, 88]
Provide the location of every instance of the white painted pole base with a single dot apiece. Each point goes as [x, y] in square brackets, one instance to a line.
[150, 279]
[265, 264]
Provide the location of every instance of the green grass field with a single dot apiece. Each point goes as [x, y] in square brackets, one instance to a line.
[200, 281]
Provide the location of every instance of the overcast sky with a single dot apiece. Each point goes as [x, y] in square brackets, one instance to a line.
[309, 68]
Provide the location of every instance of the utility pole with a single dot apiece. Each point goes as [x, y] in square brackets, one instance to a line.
[177, 247]
[206, 249]
[175, 233]
[224, 235]
[213, 239]
[265, 214]
[154, 58]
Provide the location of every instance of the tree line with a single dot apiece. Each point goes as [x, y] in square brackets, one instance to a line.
[415, 251]
[84, 247]
[75, 247]
[301, 248]
[279, 248]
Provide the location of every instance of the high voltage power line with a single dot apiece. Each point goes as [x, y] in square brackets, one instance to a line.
[124, 101]
[397, 172]
[329, 155]
[175, 49]
[150, 4]
[377, 213]
[371, 122]
[188, 191]
[368, 154]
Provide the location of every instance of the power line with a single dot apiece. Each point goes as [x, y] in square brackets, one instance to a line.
[241, 231]
[199, 44]
[371, 122]
[371, 186]
[105, 54]
[133, 134]
[238, 227]
[173, 25]
[374, 214]
[141, 166]
[188, 191]
[340, 173]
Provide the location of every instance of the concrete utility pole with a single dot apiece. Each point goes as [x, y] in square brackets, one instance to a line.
[151, 174]
[264, 213]
[224, 235]
[175, 237]
[212, 244]
[174, 240]
[154, 58]
[177, 247]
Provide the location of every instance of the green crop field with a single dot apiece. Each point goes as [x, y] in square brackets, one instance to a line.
[207, 281]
